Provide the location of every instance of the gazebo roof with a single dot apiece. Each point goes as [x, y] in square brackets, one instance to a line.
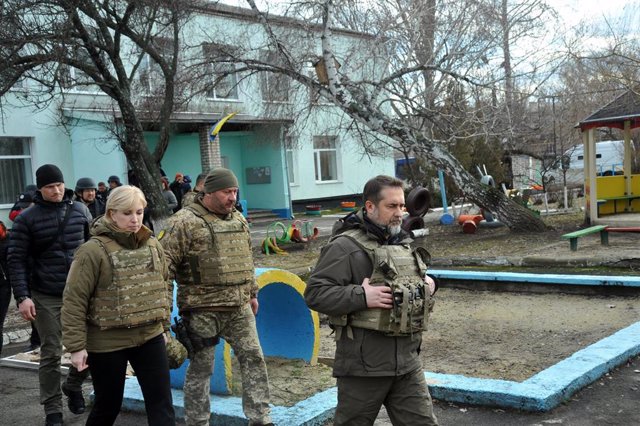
[625, 107]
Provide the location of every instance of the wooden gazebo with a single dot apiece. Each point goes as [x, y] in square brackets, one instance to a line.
[612, 194]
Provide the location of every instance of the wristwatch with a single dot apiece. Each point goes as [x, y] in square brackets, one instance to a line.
[21, 299]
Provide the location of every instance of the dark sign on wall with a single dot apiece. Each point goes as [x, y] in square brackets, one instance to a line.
[258, 175]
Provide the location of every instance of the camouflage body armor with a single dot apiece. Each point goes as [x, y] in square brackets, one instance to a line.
[402, 269]
[137, 294]
[224, 263]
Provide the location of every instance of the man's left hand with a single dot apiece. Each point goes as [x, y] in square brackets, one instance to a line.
[431, 283]
[254, 305]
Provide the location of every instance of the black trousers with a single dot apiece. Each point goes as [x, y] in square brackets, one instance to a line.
[151, 366]
[5, 298]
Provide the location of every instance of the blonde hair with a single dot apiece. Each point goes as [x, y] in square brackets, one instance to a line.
[123, 198]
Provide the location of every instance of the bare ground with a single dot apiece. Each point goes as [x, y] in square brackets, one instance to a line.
[502, 335]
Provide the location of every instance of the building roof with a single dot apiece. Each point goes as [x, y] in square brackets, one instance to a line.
[625, 107]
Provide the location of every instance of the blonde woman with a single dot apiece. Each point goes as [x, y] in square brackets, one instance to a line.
[116, 310]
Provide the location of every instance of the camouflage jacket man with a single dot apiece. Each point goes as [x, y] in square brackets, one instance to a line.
[210, 258]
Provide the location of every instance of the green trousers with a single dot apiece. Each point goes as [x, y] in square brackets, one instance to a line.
[50, 330]
[405, 397]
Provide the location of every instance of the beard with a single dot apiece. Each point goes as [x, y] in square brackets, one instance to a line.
[394, 230]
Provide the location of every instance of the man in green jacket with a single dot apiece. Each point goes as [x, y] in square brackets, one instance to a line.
[379, 313]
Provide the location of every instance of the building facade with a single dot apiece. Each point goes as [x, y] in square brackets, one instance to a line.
[283, 143]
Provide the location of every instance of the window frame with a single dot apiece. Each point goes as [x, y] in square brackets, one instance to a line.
[269, 80]
[27, 160]
[216, 68]
[317, 158]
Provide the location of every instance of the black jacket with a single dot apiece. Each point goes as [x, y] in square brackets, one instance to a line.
[4, 270]
[38, 257]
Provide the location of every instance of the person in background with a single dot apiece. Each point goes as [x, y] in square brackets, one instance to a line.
[25, 200]
[208, 249]
[168, 195]
[373, 286]
[190, 196]
[102, 192]
[43, 241]
[186, 184]
[103, 333]
[85, 193]
[176, 187]
[5, 287]
[113, 182]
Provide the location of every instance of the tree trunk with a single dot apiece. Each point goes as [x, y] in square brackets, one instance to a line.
[143, 164]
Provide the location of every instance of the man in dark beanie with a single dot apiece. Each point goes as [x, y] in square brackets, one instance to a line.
[208, 250]
[42, 243]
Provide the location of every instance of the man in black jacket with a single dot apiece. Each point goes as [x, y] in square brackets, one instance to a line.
[41, 247]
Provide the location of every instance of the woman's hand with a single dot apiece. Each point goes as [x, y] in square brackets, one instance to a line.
[79, 359]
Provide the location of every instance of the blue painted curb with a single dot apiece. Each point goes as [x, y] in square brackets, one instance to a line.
[517, 277]
[541, 392]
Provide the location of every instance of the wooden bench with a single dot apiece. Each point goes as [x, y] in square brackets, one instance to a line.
[627, 198]
[573, 236]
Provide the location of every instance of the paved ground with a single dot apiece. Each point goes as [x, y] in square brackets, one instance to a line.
[611, 400]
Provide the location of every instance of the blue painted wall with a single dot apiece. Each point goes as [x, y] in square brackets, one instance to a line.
[182, 155]
[243, 150]
[96, 154]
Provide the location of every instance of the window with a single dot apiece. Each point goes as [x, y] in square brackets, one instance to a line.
[222, 79]
[76, 79]
[325, 157]
[291, 166]
[275, 86]
[151, 75]
[15, 168]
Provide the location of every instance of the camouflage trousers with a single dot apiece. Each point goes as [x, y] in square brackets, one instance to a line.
[238, 328]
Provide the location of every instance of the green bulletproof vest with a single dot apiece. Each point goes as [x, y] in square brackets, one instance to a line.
[137, 293]
[402, 269]
[227, 259]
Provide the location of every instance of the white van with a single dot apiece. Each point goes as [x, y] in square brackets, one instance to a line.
[609, 162]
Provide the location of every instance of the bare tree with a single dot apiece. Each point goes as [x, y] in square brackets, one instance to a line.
[119, 47]
[428, 89]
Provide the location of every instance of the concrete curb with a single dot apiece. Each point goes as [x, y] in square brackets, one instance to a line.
[541, 392]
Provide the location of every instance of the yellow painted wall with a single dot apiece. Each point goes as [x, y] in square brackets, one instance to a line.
[613, 186]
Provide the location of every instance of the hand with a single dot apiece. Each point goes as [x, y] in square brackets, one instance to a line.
[27, 310]
[79, 359]
[377, 296]
[431, 283]
[166, 336]
[254, 305]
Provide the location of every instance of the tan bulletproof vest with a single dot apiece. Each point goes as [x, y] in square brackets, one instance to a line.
[402, 269]
[227, 260]
[137, 293]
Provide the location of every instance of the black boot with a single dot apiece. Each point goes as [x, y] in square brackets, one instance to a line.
[75, 399]
[54, 419]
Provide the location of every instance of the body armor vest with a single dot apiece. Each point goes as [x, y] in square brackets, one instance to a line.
[227, 260]
[402, 269]
[137, 293]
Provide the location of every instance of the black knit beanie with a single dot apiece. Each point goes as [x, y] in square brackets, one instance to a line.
[48, 174]
[220, 179]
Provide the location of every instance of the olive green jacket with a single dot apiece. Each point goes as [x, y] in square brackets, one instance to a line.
[335, 288]
[91, 267]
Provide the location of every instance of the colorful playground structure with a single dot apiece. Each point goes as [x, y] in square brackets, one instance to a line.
[299, 231]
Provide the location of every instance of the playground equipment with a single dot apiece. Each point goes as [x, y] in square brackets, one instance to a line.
[417, 205]
[300, 231]
[446, 218]
[287, 328]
